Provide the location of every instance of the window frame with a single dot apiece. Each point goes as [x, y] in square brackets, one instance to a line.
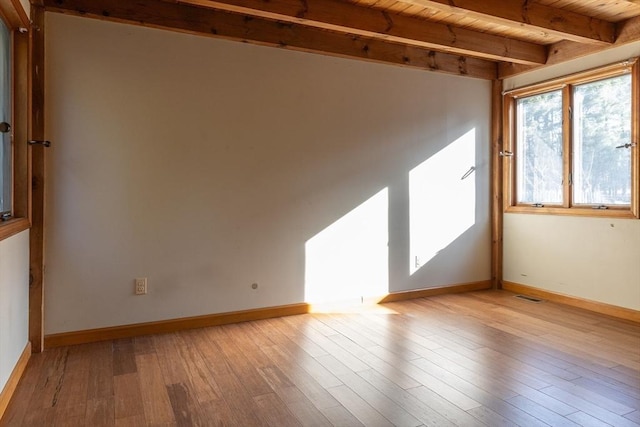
[565, 84]
[17, 21]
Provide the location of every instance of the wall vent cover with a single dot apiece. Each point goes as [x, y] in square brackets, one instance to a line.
[530, 299]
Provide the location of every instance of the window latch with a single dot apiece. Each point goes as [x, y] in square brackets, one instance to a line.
[538, 205]
[505, 154]
[627, 145]
[5, 216]
[601, 207]
[38, 142]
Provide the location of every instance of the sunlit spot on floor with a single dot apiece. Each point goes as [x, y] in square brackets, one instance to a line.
[346, 307]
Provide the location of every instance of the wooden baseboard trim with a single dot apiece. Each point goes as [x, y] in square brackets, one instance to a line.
[172, 325]
[598, 307]
[429, 292]
[14, 379]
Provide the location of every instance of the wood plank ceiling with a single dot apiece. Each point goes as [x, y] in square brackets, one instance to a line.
[480, 38]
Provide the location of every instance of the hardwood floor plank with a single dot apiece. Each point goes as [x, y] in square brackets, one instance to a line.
[444, 407]
[443, 389]
[241, 363]
[303, 380]
[291, 327]
[587, 420]
[479, 377]
[184, 410]
[478, 359]
[100, 412]
[387, 367]
[70, 399]
[155, 401]
[634, 416]
[124, 356]
[218, 413]
[302, 407]
[25, 392]
[340, 416]
[135, 421]
[540, 412]
[101, 371]
[490, 418]
[364, 412]
[384, 405]
[169, 359]
[70, 415]
[127, 396]
[588, 407]
[404, 399]
[273, 412]
[143, 345]
[594, 397]
[196, 367]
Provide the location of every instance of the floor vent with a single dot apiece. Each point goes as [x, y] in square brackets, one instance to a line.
[530, 299]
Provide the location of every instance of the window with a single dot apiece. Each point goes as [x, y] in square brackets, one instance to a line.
[14, 152]
[6, 159]
[571, 145]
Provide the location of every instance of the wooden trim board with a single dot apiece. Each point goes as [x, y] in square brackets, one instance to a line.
[496, 185]
[429, 292]
[173, 325]
[598, 307]
[37, 179]
[14, 379]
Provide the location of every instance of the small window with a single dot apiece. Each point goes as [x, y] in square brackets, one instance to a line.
[571, 145]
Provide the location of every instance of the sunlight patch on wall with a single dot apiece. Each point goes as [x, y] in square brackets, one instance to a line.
[442, 198]
[349, 260]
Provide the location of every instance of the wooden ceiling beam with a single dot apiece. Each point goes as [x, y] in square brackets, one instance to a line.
[628, 32]
[234, 26]
[344, 17]
[533, 16]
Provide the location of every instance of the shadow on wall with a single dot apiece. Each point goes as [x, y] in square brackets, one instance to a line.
[349, 260]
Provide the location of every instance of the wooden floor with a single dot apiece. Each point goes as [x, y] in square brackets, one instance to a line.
[483, 358]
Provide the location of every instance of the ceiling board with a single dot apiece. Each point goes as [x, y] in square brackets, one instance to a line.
[470, 37]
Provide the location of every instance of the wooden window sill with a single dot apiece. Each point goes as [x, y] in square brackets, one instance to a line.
[577, 211]
[12, 227]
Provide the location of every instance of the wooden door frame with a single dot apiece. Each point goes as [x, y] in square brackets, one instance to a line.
[37, 179]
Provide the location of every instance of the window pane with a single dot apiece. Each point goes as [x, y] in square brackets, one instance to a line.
[5, 116]
[539, 157]
[601, 122]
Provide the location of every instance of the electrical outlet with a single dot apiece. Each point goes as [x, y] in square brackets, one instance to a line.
[141, 286]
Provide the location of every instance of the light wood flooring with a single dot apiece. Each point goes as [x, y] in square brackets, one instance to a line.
[475, 359]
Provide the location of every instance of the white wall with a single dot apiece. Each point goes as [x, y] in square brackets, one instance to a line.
[14, 302]
[207, 165]
[593, 258]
